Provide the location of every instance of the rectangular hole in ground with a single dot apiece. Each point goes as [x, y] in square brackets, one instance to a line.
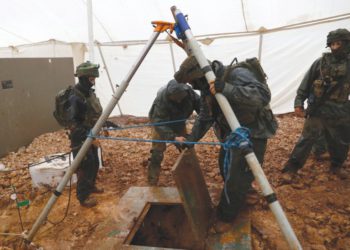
[164, 225]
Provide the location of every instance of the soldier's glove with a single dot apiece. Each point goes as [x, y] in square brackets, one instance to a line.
[219, 85]
[299, 111]
[181, 140]
[178, 146]
[189, 138]
[185, 145]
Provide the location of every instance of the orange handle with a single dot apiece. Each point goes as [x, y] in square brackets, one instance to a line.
[161, 26]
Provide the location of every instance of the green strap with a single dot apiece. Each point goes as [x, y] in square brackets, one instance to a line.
[23, 203]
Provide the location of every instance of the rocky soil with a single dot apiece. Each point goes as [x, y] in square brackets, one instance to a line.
[316, 201]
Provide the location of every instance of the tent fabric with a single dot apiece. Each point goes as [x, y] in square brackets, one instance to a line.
[226, 30]
[32, 21]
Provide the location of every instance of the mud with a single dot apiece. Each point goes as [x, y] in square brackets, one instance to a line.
[316, 201]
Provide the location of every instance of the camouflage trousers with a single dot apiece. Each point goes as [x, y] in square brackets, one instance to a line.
[157, 155]
[320, 145]
[87, 173]
[333, 132]
[240, 180]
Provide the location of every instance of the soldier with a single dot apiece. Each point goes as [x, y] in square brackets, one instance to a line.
[319, 149]
[85, 109]
[326, 86]
[249, 98]
[174, 102]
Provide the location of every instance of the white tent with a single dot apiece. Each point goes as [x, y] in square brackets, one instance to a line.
[286, 35]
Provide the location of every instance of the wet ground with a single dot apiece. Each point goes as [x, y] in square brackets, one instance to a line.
[316, 201]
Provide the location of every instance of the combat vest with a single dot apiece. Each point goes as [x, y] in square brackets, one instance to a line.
[261, 122]
[93, 107]
[253, 65]
[334, 78]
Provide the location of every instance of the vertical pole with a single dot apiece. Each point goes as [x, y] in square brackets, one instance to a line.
[231, 118]
[108, 75]
[18, 209]
[90, 31]
[172, 55]
[261, 37]
[86, 145]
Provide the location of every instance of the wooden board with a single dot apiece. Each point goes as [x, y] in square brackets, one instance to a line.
[194, 193]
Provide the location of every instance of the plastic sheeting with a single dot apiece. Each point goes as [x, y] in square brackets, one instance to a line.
[285, 56]
[31, 21]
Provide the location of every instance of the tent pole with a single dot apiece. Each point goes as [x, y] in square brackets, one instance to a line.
[261, 36]
[160, 27]
[108, 75]
[172, 55]
[90, 31]
[233, 122]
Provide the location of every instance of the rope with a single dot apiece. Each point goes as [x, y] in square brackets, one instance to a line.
[35, 164]
[237, 139]
[147, 125]
[150, 140]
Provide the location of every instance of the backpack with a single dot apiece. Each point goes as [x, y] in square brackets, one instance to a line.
[61, 112]
[252, 64]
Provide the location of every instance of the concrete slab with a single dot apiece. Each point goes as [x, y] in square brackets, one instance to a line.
[116, 231]
[238, 238]
[153, 215]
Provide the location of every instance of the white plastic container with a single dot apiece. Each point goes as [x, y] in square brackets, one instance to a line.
[50, 169]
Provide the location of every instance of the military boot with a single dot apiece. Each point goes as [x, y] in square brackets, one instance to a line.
[289, 172]
[154, 166]
[339, 171]
[89, 202]
[290, 168]
[97, 190]
[153, 174]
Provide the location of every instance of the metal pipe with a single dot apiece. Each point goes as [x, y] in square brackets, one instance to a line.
[172, 55]
[233, 122]
[85, 147]
[90, 31]
[105, 67]
[261, 37]
[108, 75]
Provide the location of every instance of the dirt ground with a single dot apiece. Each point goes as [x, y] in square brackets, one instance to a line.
[316, 202]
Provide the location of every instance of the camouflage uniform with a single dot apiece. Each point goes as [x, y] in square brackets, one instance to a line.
[173, 102]
[326, 86]
[249, 99]
[85, 109]
[320, 146]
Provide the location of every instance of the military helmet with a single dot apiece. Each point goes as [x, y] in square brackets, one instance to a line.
[87, 69]
[177, 91]
[189, 70]
[338, 35]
